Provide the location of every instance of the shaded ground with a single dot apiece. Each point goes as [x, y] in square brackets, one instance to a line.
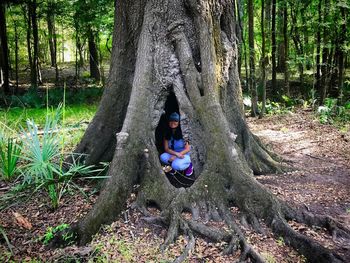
[321, 184]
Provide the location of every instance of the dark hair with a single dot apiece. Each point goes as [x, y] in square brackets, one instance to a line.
[169, 133]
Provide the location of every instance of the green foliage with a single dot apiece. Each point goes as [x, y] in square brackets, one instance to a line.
[280, 241]
[36, 99]
[4, 235]
[51, 231]
[32, 99]
[9, 154]
[331, 112]
[273, 107]
[43, 154]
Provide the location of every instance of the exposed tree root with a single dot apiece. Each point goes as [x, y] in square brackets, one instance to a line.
[247, 250]
[190, 245]
[309, 248]
[335, 228]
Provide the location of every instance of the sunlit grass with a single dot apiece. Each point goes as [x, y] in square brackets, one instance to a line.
[13, 118]
[75, 121]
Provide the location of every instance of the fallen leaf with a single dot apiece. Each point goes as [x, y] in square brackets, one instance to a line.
[22, 221]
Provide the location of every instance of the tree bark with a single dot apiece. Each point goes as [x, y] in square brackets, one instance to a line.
[186, 50]
[93, 55]
[4, 54]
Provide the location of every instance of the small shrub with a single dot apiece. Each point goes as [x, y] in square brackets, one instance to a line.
[280, 241]
[51, 231]
[331, 112]
[32, 99]
[9, 154]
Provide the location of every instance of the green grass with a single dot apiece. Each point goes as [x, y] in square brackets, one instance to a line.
[13, 118]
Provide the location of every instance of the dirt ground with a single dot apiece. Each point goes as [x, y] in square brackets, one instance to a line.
[320, 183]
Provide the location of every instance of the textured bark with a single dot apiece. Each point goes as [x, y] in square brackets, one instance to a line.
[186, 50]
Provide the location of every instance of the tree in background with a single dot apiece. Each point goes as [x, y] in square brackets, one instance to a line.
[4, 52]
[252, 82]
[52, 35]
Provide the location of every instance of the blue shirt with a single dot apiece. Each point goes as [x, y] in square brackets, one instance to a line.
[176, 145]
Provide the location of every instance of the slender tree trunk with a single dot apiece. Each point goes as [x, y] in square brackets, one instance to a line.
[62, 44]
[297, 42]
[4, 54]
[26, 14]
[16, 55]
[50, 18]
[325, 67]
[263, 59]
[273, 50]
[32, 5]
[318, 48]
[341, 56]
[286, 49]
[252, 84]
[281, 57]
[93, 55]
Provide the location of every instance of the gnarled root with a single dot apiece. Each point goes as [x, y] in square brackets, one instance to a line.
[309, 248]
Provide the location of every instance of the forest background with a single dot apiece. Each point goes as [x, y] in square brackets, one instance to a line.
[54, 62]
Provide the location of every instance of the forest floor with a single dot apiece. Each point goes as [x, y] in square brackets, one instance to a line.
[320, 184]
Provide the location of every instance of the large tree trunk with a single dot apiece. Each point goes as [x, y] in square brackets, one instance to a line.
[187, 51]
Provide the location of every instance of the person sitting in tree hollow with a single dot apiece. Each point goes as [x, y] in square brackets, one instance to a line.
[177, 150]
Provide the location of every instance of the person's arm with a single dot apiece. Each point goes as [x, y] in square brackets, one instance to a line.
[168, 150]
[187, 148]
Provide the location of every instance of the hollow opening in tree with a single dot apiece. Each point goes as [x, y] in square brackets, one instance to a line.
[171, 105]
[178, 178]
